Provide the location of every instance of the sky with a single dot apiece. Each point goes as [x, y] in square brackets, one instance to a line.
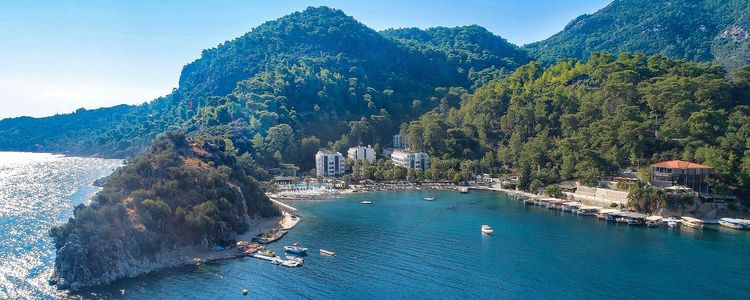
[57, 56]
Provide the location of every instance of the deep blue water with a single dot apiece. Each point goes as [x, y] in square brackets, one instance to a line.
[405, 247]
[399, 247]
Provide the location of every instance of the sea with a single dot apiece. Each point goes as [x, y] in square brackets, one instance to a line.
[399, 247]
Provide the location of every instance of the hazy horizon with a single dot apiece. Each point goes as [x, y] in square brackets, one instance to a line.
[58, 57]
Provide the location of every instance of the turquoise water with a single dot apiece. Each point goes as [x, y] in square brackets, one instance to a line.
[399, 247]
[404, 247]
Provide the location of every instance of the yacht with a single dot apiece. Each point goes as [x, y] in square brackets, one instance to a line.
[486, 229]
[692, 222]
[293, 261]
[732, 223]
[296, 249]
[587, 210]
[653, 221]
[366, 202]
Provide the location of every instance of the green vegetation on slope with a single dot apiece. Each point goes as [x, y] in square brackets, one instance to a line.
[315, 70]
[179, 193]
[584, 120]
[702, 30]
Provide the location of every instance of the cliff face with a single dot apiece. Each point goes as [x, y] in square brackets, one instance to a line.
[179, 194]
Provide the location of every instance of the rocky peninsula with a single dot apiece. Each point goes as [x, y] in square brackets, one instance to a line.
[179, 198]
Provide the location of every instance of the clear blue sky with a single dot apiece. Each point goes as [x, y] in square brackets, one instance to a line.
[56, 56]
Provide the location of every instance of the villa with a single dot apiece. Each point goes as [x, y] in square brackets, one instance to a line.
[677, 172]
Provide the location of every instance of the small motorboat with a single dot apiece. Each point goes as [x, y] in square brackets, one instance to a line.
[293, 261]
[366, 202]
[429, 198]
[277, 260]
[486, 229]
[327, 252]
[244, 292]
[266, 252]
[296, 249]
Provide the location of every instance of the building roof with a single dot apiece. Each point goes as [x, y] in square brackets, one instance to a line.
[679, 164]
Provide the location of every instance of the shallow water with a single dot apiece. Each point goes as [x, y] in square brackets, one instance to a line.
[38, 191]
[404, 247]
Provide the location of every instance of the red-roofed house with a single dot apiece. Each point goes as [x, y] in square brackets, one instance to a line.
[678, 172]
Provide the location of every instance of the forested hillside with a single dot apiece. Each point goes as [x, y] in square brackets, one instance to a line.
[696, 30]
[585, 120]
[308, 73]
[179, 193]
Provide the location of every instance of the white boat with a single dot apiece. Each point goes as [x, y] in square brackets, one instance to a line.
[463, 190]
[571, 206]
[366, 202]
[692, 222]
[486, 229]
[732, 223]
[327, 252]
[293, 261]
[588, 210]
[673, 224]
[653, 221]
[296, 249]
[429, 198]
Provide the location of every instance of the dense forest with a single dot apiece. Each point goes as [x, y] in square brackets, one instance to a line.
[314, 71]
[181, 192]
[589, 119]
[697, 30]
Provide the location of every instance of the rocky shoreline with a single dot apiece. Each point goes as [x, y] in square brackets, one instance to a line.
[124, 263]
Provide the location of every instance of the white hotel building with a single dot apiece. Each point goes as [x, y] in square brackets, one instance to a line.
[411, 159]
[329, 163]
[361, 153]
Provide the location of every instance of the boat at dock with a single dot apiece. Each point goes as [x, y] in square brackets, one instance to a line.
[604, 213]
[270, 236]
[692, 222]
[571, 206]
[734, 223]
[487, 229]
[653, 221]
[327, 252]
[588, 210]
[293, 261]
[463, 190]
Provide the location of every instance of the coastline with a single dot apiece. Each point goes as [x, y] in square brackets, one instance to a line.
[183, 256]
[321, 193]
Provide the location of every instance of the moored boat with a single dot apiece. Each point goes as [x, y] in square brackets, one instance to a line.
[733, 223]
[571, 206]
[587, 210]
[692, 222]
[463, 190]
[486, 229]
[653, 221]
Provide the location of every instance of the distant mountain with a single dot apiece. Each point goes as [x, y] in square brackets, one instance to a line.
[314, 70]
[696, 30]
